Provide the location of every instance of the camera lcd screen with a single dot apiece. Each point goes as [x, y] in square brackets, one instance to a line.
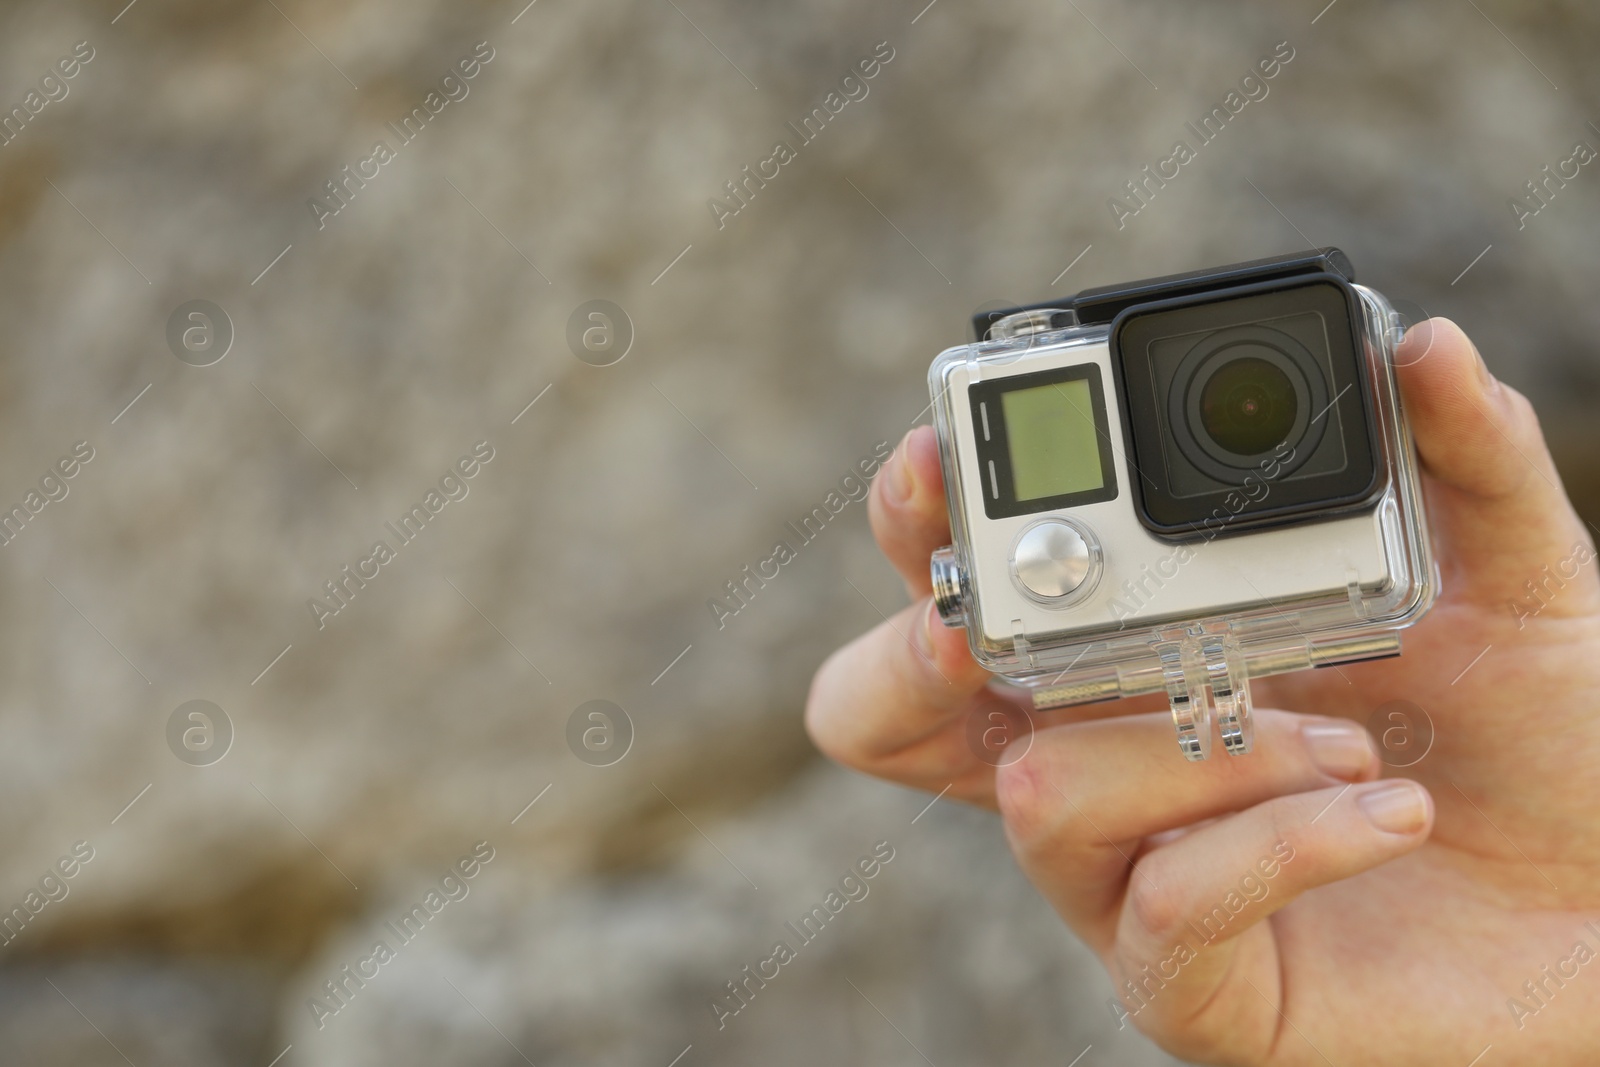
[1043, 441]
[1050, 435]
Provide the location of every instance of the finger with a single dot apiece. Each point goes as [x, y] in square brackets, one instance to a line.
[894, 703]
[1190, 941]
[1495, 500]
[907, 508]
[1079, 804]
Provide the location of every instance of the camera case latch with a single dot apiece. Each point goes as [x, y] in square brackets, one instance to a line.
[1030, 321]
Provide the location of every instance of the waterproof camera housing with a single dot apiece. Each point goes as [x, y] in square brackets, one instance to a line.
[1179, 484]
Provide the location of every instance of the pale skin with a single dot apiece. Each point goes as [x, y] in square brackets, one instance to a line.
[1417, 902]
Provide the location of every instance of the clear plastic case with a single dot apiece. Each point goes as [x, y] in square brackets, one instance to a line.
[1242, 606]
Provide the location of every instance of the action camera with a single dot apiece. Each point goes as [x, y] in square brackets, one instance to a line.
[1179, 484]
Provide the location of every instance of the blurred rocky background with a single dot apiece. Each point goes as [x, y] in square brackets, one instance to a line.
[771, 350]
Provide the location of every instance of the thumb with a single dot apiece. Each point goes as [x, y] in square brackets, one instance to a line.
[1500, 515]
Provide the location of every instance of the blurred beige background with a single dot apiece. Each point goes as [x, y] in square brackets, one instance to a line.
[768, 357]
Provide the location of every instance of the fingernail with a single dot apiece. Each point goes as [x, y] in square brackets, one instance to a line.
[1395, 807]
[1419, 336]
[1485, 379]
[1339, 749]
[899, 481]
[925, 631]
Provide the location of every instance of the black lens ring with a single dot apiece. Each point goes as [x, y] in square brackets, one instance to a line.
[1147, 342]
[1307, 373]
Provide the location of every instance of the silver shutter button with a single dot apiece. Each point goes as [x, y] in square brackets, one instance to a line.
[1053, 559]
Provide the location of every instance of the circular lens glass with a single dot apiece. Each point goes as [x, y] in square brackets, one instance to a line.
[1248, 407]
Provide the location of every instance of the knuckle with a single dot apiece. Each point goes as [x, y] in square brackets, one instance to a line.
[1157, 909]
[1034, 798]
[1023, 795]
[1287, 824]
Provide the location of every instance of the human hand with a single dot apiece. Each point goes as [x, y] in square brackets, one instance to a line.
[1290, 906]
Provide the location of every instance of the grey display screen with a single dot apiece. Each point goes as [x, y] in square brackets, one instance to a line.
[1043, 441]
[1051, 439]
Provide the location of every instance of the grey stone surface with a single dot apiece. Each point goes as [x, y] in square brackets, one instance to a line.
[427, 314]
[626, 971]
[141, 1010]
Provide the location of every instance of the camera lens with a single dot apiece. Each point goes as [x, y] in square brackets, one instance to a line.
[1248, 407]
[1239, 394]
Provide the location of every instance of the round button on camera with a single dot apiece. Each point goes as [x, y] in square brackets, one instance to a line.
[1054, 559]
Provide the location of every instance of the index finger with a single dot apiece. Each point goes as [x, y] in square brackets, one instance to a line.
[894, 703]
[907, 508]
